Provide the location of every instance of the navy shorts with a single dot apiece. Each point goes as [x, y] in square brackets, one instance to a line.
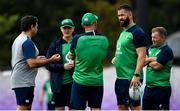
[122, 93]
[82, 94]
[62, 98]
[24, 95]
[50, 106]
[156, 98]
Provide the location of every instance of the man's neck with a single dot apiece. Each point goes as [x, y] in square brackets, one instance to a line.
[160, 44]
[67, 38]
[28, 33]
[130, 25]
[88, 29]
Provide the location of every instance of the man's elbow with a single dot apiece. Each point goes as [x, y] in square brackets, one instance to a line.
[31, 64]
[157, 68]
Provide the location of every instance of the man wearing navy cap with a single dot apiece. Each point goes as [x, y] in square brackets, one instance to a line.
[90, 50]
[61, 72]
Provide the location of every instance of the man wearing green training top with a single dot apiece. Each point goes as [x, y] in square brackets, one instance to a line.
[129, 58]
[159, 62]
[61, 72]
[90, 50]
[46, 91]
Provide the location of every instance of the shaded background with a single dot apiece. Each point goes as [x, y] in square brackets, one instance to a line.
[148, 14]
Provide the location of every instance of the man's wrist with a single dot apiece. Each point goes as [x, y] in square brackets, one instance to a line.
[137, 75]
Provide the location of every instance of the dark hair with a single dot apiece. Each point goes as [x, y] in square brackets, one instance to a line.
[27, 21]
[125, 7]
[162, 31]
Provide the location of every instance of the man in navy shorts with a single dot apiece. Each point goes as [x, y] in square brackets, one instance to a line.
[25, 61]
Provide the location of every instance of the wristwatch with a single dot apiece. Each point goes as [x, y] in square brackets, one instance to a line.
[137, 75]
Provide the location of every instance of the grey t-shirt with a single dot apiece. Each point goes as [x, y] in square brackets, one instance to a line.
[23, 48]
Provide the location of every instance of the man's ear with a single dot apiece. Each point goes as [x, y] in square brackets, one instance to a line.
[130, 14]
[82, 25]
[32, 26]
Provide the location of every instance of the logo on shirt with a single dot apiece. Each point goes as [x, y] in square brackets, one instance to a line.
[67, 57]
[118, 47]
[154, 54]
[27, 101]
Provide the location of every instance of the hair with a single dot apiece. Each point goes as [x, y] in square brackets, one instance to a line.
[161, 30]
[27, 21]
[125, 7]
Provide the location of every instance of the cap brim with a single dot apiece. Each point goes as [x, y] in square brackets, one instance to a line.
[96, 17]
[67, 26]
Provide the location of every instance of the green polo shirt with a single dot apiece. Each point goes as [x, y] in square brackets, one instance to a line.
[160, 77]
[91, 50]
[67, 75]
[126, 57]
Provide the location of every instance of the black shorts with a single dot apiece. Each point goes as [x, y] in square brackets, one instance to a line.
[24, 95]
[122, 93]
[62, 98]
[50, 106]
[156, 98]
[82, 94]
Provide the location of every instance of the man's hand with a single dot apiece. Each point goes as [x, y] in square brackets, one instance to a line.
[113, 61]
[68, 66]
[150, 59]
[55, 57]
[135, 81]
[71, 55]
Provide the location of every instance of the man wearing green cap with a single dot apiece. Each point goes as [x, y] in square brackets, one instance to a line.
[61, 72]
[90, 50]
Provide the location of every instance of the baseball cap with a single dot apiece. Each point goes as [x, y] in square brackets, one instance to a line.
[88, 19]
[67, 23]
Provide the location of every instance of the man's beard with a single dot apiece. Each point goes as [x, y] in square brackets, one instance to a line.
[124, 23]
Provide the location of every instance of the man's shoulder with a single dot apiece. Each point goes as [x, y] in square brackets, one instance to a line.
[166, 49]
[21, 38]
[57, 40]
[136, 30]
[79, 35]
[27, 42]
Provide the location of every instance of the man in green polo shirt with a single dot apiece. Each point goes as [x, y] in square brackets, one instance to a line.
[129, 58]
[46, 91]
[159, 62]
[90, 50]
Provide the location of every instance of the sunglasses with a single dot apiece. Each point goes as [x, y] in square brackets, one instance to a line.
[67, 27]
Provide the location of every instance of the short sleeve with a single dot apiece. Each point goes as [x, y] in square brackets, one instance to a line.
[139, 39]
[164, 56]
[29, 49]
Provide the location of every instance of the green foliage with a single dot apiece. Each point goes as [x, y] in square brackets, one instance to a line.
[6, 23]
[165, 13]
[50, 14]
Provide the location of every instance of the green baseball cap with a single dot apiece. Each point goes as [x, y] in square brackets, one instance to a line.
[67, 23]
[88, 19]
